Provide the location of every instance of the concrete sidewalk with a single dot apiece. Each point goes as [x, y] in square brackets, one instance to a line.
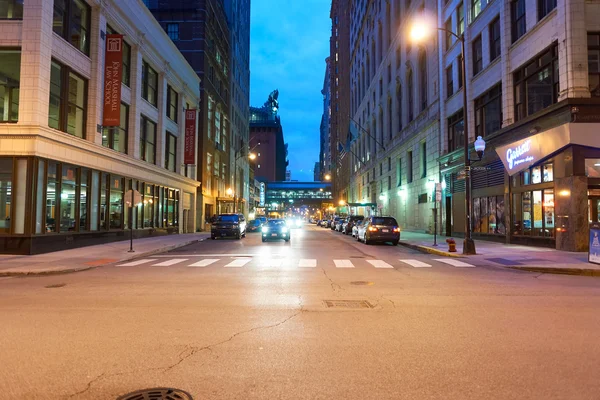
[528, 258]
[84, 258]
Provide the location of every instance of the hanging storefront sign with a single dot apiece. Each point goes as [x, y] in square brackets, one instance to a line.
[524, 153]
[189, 156]
[262, 195]
[113, 71]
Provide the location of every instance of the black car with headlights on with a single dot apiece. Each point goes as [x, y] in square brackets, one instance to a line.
[254, 225]
[232, 225]
[275, 229]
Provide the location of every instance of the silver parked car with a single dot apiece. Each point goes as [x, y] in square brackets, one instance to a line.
[379, 229]
[355, 228]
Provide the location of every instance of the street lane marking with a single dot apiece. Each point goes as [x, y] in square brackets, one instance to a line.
[416, 263]
[274, 262]
[168, 263]
[343, 264]
[239, 263]
[307, 263]
[379, 264]
[138, 262]
[454, 263]
[211, 255]
[204, 263]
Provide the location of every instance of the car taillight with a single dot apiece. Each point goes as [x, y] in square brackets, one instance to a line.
[396, 230]
[372, 229]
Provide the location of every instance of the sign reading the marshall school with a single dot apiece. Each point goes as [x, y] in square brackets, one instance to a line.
[262, 195]
[189, 155]
[524, 153]
[113, 70]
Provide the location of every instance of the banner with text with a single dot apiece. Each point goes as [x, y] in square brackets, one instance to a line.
[113, 70]
[190, 137]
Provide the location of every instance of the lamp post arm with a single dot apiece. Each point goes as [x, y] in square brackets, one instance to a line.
[367, 132]
[460, 38]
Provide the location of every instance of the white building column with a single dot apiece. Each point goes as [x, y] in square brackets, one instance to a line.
[573, 70]
[161, 132]
[96, 84]
[133, 145]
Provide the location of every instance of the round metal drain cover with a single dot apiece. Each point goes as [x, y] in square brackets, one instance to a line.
[362, 283]
[157, 394]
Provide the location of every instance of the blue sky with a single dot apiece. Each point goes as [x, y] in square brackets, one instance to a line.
[289, 41]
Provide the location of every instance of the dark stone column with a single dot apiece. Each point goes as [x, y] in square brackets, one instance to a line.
[571, 213]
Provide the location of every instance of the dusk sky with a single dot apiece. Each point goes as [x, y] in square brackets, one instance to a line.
[289, 41]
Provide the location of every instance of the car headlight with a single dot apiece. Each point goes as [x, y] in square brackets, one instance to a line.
[298, 222]
[284, 230]
[265, 229]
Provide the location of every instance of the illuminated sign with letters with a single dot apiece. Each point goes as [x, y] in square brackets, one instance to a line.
[519, 155]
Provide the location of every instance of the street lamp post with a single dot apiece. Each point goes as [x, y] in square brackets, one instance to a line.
[251, 156]
[420, 32]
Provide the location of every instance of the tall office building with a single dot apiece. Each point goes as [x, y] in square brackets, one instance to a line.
[199, 28]
[325, 128]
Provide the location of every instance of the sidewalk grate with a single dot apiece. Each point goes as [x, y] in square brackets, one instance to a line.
[348, 304]
[157, 394]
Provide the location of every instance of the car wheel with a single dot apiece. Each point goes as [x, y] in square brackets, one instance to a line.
[212, 237]
[395, 242]
[367, 241]
[287, 240]
[238, 236]
[244, 235]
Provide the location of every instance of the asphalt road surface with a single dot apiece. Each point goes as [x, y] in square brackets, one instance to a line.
[321, 317]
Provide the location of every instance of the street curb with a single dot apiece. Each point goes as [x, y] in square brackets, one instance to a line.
[560, 271]
[81, 269]
[429, 250]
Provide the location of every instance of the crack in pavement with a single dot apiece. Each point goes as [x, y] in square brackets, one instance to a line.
[191, 350]
[390, 300]
[333, 284]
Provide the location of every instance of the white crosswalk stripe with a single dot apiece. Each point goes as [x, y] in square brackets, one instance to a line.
[416, 263]
[240, 262]
[379, 264]
[343, 264]
[168, 263]
[454, 263]
[204, 263]
[307, 263]
[135, 263]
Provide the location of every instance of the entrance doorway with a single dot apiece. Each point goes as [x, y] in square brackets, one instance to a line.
[594, 209]
[448, 216]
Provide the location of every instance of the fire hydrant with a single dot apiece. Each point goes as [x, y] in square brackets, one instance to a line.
[451, 245]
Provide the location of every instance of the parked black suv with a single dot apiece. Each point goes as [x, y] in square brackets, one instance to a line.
[228, 225]
[352, 220]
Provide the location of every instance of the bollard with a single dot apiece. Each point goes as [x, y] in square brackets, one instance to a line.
[451, 245]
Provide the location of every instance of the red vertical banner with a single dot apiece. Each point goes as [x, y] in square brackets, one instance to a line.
[113, 70]
[189, 156]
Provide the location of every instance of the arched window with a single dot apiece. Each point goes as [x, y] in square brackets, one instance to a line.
[368, 77]
[374, 58]
[390, 119]
[423, 78]
[399, 106]
[379, 43]
[374, 134]
[411, 94]
[380, 134]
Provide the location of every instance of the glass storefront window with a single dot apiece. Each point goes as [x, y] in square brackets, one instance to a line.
[6, 171]
[94, 201]
[549, 220]
[537, 213]
[83, 194]
[517, 215]
[536, 175]
[171, 208]
[548, 173]
[526, 213]
[103, 205]
[476, 215]
[39, 197]
[116, 202]
[148, 205]
[51, 187]
[68, 199]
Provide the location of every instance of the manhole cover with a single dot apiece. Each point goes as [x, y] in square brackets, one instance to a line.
[157, 394]
[56, 285]
[348, 304]
[362, 283]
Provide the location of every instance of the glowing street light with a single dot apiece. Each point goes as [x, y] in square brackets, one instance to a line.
[342, 203]
[252, 156]
[327, 177]
[229, 191]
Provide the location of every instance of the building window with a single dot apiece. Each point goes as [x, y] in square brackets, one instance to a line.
[449, 81]
[172, 103]
[71, 21]
[399, 105]
[409, 167]
[171, 152]
[68, 101]
[593, 40]
[149, 84]
[389, 164]
[411, 95]
[460, 74]
[380, 86]
[449, 37]
[423, 78]
[148, 140]
[517, 15]
[115, 137]
[536, 84]
[173, 31]
[390, 119]
[423, 159]
[533, 213]
[461, 19]
[398, 57]
[477, 56]
[456, 131]
[488, 215]
[10, 73]
[126, 61]
[11, 9]
[389, 179]
[539, 174]
[488, 111]
[544, 7]
[476, 7]
[399, 172]
[495, 48]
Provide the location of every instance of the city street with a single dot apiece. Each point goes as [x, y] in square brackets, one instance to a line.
[320, 317]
